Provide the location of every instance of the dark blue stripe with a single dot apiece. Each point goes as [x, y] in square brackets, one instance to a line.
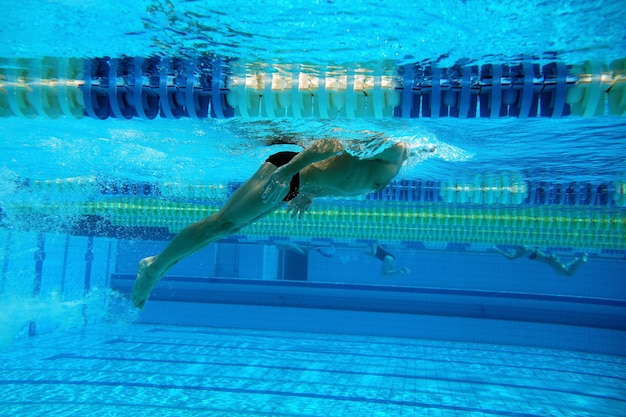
[88, 261]
[276, 393]
[482, 348]
[40, 256]
[64, 268]
[332, 371]
[367, 355]
[109, 403]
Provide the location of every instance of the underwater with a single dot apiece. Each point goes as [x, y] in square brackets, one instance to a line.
[313, 208]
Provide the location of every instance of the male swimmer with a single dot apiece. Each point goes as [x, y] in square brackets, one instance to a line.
[323, 169]
[534, 254]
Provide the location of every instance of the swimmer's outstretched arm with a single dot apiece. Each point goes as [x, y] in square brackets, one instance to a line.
[520, 252]
[273, 191]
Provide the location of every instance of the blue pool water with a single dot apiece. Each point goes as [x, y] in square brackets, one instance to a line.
[250, 327]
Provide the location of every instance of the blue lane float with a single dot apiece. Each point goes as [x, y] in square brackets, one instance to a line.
[211, 87]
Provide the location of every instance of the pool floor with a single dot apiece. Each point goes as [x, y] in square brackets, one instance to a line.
[113, 370]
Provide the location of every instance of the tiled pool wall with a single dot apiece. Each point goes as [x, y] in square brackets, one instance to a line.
[460, 295]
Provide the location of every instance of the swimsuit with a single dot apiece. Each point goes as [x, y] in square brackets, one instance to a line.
[282, 158]
[381, 253]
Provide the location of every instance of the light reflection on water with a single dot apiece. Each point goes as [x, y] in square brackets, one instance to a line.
[211, 151]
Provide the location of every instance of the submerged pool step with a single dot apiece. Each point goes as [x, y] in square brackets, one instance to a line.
[482, 304]
[173, 87]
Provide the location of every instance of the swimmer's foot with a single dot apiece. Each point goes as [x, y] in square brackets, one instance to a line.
[584, 258]
[145, 281]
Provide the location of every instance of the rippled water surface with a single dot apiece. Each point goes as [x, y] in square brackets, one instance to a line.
[327, 33]
[320, 31]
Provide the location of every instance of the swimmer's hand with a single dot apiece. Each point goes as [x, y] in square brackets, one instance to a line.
[299, 205]
[419, 151]
[276, 187]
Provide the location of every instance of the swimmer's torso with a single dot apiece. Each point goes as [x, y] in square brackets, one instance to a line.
[346, 175]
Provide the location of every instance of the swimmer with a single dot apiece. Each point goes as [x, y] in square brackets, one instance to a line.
[326, 251]
[389, 261]
[534, 254]
[323, 169]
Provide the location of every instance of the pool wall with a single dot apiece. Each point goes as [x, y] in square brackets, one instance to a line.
[464, 296]
[59, 280]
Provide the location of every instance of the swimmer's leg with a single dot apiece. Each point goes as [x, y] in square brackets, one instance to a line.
[388, 265]
[575, 264]
[244, 207]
